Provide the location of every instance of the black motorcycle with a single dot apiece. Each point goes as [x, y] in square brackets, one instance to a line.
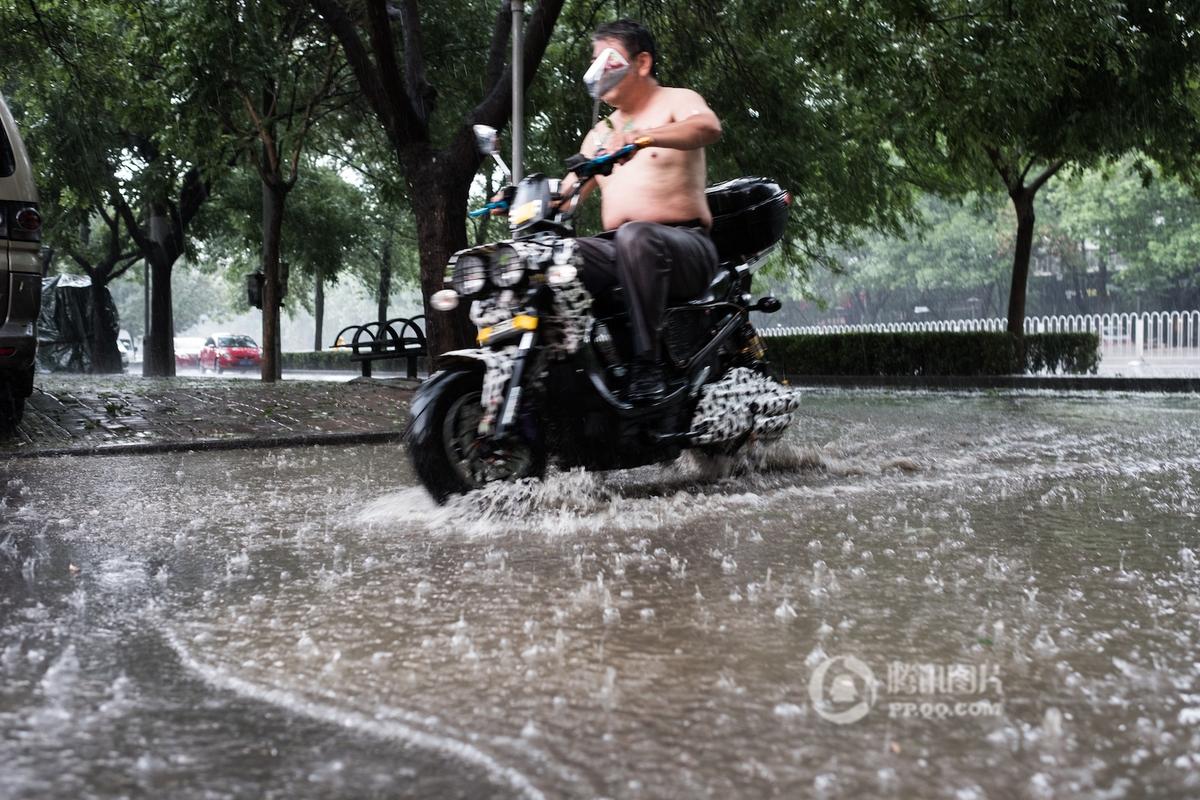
[548, 379]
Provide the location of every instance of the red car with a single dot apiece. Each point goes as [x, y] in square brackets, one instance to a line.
[224, 351]
[187, 351]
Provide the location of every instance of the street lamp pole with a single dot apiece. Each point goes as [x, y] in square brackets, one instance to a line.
[518, 89]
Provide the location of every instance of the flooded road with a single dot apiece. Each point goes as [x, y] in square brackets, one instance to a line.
[959, 596]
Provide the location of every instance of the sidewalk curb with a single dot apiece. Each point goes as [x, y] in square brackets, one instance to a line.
[211, 445]
[1063, 383]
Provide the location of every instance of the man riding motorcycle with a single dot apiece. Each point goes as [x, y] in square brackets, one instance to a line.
[653, 205]
[568, 372]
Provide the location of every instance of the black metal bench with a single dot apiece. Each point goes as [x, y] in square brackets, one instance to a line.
[379, 341]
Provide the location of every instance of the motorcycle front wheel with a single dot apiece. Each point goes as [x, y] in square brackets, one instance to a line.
[445, 448]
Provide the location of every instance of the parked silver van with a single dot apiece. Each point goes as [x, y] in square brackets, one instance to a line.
[20, 272]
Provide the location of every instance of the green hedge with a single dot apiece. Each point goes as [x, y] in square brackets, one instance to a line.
[324, 359]
[934, 353]
[1069, 353]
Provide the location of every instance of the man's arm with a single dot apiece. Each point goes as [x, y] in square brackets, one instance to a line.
[589, 146]
[591, 143]
[694, 124]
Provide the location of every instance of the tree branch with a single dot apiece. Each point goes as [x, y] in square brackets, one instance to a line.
[191, 197]
[498, 46]
[54, 42]
[263, 134]
[409, 128]
[495, 107]
[310, 117]
[1049, 173]
[357, 57]
[421, 94]
[1025, 172]
[1002, 167]
[109, 220]
[132, 259]
[131, 224]
[83, 263]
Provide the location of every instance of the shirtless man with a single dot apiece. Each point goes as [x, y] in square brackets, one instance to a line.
[653, 206]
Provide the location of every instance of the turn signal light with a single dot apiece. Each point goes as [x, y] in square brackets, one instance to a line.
[445, 300]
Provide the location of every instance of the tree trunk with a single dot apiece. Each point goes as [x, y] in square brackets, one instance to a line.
[440, 190]
[1082, 297]
[319, 312]
[385, 280]
[106, 358]
[145, 307]
[1102, 289]
[1023, 205]
[273, 199]
[159, 358]
[988, 294]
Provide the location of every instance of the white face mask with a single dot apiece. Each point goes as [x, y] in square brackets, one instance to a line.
[609, 68]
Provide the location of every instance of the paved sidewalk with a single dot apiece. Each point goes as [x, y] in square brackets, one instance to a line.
[92, 414]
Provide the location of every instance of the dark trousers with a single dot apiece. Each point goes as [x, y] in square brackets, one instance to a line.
[652, 264]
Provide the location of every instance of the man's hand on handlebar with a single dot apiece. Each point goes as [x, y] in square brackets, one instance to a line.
[603, 163]
[497, 204]
[633, 137]
[498, 210]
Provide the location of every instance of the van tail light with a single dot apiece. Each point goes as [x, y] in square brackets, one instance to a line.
[28, 220]
[20, 222]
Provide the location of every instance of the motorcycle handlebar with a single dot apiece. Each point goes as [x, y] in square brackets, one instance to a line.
[479, 212]
[584, 168]
[602, 164]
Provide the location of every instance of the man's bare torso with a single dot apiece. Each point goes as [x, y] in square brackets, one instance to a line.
[656, 184]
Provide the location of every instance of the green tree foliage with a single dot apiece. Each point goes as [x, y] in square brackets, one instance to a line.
[427, 78]
[134, 110]
[322, 234]
[980, 90]
[1109, 239]
[955, 250]
[269, 76]
[1143, 223]
[109, 131]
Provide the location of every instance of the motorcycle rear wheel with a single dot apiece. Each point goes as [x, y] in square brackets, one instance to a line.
[444, 448]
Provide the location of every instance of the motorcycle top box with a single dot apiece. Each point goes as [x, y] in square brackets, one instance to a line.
[749, 216]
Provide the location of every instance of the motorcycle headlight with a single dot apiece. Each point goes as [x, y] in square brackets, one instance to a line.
[470, 274]
[508, 266]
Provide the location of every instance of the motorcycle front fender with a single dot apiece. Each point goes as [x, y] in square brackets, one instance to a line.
[502, 376]
[479, 355]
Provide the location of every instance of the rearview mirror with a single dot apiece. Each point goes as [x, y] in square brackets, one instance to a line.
[487, 139]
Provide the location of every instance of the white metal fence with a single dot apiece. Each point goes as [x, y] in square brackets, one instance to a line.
[1154, 335]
